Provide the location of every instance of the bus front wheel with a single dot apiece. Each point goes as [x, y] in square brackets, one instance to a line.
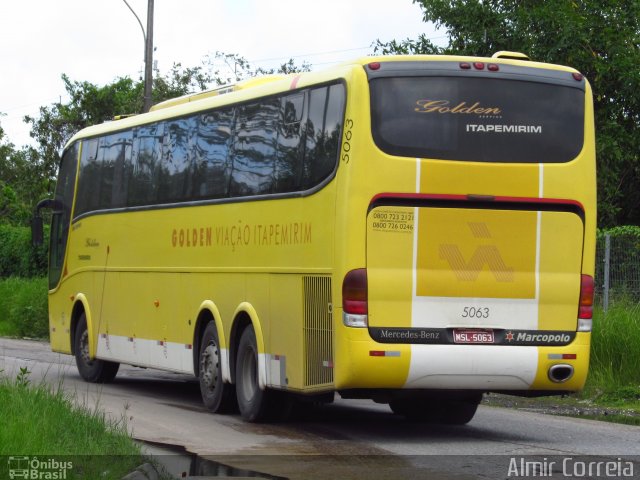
[217, 396]
[91, 370]
[255, 405]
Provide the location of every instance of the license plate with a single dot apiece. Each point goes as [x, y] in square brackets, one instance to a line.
[473, 336]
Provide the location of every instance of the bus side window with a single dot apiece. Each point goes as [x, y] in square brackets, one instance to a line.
[212, 159]
[113, 153]
[175, 172]
[254, 148]
[288, 167]
[88, 197]
[61, 219]
[323, 130]
[147, 158]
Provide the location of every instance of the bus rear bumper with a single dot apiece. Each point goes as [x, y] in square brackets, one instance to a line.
[362, 363]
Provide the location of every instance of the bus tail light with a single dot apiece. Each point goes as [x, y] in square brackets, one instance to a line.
[585, 309]
[354, 298]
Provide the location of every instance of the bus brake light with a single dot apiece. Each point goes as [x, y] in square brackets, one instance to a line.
[586, 297]
[354, 292]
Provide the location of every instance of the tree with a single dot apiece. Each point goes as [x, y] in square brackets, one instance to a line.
[600, 38]
[20, 182]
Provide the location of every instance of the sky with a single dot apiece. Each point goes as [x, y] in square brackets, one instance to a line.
[101, 40]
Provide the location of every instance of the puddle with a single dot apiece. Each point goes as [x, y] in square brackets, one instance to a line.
[176, 462]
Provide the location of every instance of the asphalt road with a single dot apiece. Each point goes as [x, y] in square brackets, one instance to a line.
[348, 439]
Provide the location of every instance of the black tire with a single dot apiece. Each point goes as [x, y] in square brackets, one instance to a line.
[255, 405]
[217, 396]
[94, 371]
[459, 411]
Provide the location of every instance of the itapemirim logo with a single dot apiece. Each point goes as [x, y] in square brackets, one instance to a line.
[33, 468]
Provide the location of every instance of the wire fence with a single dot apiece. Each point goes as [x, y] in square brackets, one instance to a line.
[617, 269]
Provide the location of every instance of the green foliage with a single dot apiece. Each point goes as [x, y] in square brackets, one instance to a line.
[620, 231]
[23, 307]
[22, 379]
[62, 428]
[615, 348]
[21, 182]
[12, 210]
[600, 38]
[18, 257]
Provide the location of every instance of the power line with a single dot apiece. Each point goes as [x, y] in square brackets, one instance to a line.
[317, 54]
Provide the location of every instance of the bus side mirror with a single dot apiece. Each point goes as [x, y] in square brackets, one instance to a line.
[37, 231]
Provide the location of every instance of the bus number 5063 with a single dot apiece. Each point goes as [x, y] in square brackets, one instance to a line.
[473, 312]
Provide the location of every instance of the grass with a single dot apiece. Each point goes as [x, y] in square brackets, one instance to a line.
[38, 421]
[614, 373]
[615, 351]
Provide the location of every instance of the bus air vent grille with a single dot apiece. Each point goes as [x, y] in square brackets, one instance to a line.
[318, 331]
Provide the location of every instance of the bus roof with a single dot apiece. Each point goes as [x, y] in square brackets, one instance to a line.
[273, 84]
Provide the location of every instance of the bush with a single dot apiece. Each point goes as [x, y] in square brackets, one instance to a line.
[23, 307]
[18, 257]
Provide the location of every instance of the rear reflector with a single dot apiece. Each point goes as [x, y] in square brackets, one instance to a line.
[384, 353]
[562, 356]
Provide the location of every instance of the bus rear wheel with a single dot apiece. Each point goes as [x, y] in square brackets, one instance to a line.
[217, 396]
[91, 370]
[255, 405]
[457, 411]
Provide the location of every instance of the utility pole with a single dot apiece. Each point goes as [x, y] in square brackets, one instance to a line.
[148, 52]
[148, 58]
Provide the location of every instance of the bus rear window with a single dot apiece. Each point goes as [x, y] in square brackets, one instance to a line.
[477, 119]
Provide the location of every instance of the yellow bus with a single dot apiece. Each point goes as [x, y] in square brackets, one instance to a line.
[416, 230]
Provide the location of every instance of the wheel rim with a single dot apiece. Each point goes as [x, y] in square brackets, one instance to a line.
[84, 348]
[249, 374]
[209, 366]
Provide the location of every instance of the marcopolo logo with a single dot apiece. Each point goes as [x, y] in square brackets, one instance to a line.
[533, 337]
[38, 469]
[543, 337]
